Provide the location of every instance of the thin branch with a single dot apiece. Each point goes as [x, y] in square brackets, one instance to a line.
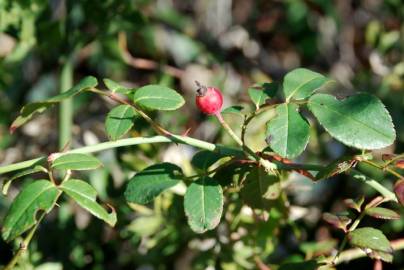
[159, 129]
[393, 160]
[24, 245]
[390, 196]
[146, 140]
[141, 63]
[129, 142]
[356, 253]
[228, 129]
[268, 165]
[383, 168]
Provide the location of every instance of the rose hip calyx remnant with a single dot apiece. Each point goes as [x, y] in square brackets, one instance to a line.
[208, 99]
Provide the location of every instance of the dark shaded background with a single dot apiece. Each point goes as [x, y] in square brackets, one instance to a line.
[227, 43]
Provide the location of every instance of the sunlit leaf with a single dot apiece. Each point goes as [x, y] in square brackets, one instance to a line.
[29, 110]
[301, 83]
[382, 213]
[84, 84]
[116, 87]
[261, 92]
[119, 121]
[359, 121]
[85, 195]
[338, 221]
[288, 132]
[370, 239]
[40, 195]
[7, 183]
[158, 97]
[76, 161]
[355, 204]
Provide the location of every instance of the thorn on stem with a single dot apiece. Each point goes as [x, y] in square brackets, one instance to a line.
[186, 132]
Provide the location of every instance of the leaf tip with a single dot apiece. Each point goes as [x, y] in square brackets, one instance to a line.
[12, 129]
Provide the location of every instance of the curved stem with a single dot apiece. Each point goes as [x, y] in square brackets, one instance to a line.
[228, 129]
[128, 142]
[269, 166]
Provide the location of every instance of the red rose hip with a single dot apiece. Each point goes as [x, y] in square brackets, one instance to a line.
[208, 99]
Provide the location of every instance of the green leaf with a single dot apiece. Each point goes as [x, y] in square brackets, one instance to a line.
[359, 121]
[302, 83]
[29, 110]
[355, 204]
[78, 162]
[288, 132]
[204, 159]
[39, 195]
[149, 183]
[84, 84]
[203, 204]
[260, 189]
[116, 87]
[338, 221]
[370, 238]
[85, 195]
[260, 92]
[382, 213]
[119, 121]
[236, 109]
[146, 225]
[158, 97]
[6, 184]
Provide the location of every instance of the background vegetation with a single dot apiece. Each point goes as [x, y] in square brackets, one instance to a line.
[45, 46]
